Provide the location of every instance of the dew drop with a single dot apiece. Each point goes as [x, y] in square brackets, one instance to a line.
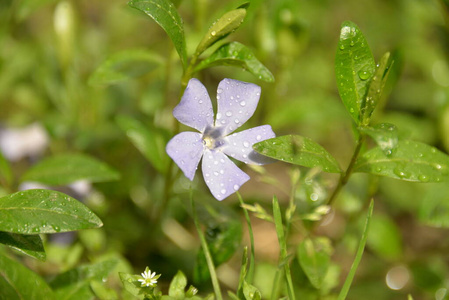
[218, 116]
[243, 103]
[258, 137]
[438, 167]
[223, 191]
[213, 33]
[236, 187]
[222, 172]
[229, 113]
[215, 173]
[246, 144]
[423, 178]
[236, 121]
[363, 75]
[342, 47]
[200, 101]
[219, 91]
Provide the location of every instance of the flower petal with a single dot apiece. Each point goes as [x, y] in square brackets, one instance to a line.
[240, 145]
[222, 176]
[186, 149]
[195, 109]
[236, 102]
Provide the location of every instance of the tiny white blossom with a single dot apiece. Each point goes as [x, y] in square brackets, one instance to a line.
[149, 279]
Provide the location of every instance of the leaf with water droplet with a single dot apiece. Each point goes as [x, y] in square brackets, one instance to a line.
[224, 26]
[376, 86]
[298, 150]
[150, 141]
[165, 14]
[354, 64]
[19, 282]
[131, 283]
[30, 211]
[238, 55]
[411, 161]
[385, 135]
[64, 169]
[28, 244]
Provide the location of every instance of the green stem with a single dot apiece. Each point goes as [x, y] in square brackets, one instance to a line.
[250, 275]
[344, 177]
[358, 257]
[205, 247]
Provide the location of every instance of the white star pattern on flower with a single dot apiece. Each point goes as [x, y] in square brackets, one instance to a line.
[149, 279]
[236, 103]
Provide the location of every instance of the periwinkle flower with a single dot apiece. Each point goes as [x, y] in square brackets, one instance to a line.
[236, 103]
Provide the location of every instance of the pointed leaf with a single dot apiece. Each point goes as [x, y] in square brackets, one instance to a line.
[227, 24]
[251, 292]
[28, 244]
[354, 66]
[150, 142]
[67, 168]
[314, 261]
[18, 282]
[298, 150]
[44, 211]
[375, 89]
[385, 135]
[412, 161]
[177, 286]
[238, 55]
[165, 14]
[131, 283]
[124, 65]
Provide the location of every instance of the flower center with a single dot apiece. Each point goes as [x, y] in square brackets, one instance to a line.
[209, 142]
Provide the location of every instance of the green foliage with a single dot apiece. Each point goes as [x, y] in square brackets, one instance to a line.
[18, 282]
[354, 67]
[412, 161]
[28, 244]
[298, 150]
[44, 211]
[238, 55]
[67, 168]
[165, 14]
[385, 135]
[314, 260]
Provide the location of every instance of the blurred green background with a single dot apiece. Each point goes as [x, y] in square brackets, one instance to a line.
[50, 49]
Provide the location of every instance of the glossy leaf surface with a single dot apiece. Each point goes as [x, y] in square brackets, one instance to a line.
[385, 135]
[298, 150]
[18, 282]
[150, 142]
[354, 67]
[412, 161]
[67, 168]
[238, 55]
[28, 244]
[124, 65]
[44, 211]
[227, 24]
[165, 14]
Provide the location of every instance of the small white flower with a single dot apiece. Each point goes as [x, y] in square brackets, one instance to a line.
[149, 279]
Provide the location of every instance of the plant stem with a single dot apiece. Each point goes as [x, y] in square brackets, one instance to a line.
[250, 275]
[345, 289]
[210, 263]
[344, 177]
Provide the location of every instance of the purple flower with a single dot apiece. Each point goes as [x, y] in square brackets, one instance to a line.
[236, 103]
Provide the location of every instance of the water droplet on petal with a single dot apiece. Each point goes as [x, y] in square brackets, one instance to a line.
[215, 173]
[243, 103]
[223, 191]
[222, 172]
[258, 137]
[236, 121]
[229, 113]
[218, 116]
[246, 144]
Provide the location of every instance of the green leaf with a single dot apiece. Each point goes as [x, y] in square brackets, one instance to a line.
[354, 67]
[150, 142]
[125, 65]
[227, 24]
[385, 135]
[385, 238]
[75, 284]
[412, 161]
[44, 211]
[358, 256]
[67, 168]
[243, 272]
[223, 240]
[375, 89]
[314, 261]
[434, 210]
[101, 291]
[251, 292]
[18, 282]
[298, 150]
[28, 244]
[131, 284]
[165, 14]
[238, 55]
[177, 286]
